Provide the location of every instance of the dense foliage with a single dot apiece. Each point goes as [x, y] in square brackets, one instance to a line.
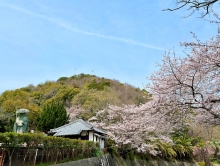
[11, 139]
[85, 92]
[52, 116]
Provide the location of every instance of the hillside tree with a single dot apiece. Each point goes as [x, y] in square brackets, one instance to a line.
[53, 115]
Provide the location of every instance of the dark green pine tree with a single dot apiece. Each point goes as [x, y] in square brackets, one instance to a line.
[53, 115]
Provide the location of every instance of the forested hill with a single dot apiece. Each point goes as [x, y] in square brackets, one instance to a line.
[85, 92]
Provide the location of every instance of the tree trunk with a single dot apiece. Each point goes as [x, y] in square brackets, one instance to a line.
[205, 156]
[10, 154]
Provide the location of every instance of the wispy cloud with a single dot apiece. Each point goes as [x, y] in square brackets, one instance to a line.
[67, 25]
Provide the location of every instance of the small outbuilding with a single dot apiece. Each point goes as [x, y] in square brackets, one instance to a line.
[80, 129]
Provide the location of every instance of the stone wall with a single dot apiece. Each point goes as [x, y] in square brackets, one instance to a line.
[107, 160]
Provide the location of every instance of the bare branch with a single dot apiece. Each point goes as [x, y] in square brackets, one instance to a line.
[194, 5]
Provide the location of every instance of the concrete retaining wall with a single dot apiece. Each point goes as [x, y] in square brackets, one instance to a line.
[107, 160]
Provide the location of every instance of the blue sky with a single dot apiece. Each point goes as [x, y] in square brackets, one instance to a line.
[45, 40]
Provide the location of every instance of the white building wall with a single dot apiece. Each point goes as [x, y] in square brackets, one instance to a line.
[91, 136]
[96, 138]
[102, 143]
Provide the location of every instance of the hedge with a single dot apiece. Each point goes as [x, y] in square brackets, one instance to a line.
[53, 148]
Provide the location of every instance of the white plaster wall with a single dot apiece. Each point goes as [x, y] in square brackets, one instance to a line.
[102, 143]
[91, 136]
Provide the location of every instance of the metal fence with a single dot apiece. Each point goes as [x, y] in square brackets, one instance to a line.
[30, 157]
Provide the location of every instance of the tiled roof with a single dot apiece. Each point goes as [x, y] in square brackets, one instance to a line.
[74, 128]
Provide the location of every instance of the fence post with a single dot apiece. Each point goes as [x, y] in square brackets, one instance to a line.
[35, 158]
[2, 156]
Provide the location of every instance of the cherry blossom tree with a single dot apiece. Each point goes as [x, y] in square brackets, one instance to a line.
[137, 126]
[75, 112]
[184, 90]
[190, 84]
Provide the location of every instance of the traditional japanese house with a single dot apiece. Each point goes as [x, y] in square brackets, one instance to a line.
[80, 129]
